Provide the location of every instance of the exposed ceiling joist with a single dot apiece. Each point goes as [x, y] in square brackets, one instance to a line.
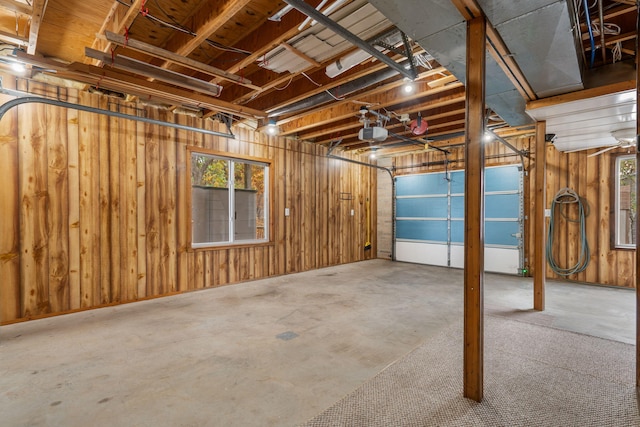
[39, 7]
[119, 18]
[13, 39]
[177, 59]
[379, 97]
[208, 20]
[17, 7]
[422, 108]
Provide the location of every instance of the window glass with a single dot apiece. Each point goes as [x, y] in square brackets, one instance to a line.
[229, 200]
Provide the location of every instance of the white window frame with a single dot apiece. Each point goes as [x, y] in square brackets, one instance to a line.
[232, 197]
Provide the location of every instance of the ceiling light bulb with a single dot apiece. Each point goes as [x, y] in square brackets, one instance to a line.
[408, 87]
[272, 127]
[487, 137]
[18, 67]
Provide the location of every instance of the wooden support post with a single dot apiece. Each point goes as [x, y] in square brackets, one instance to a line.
[540, 229]
[474, 210]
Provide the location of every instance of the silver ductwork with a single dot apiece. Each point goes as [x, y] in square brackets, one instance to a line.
[537, 32]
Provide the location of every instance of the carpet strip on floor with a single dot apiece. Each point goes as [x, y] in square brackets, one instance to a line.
[534, 376]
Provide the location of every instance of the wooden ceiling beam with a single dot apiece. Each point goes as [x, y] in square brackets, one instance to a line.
[39, 7]
[13, 39]
[345, 109]
[611, 13]
[355, 124]
[389, 97]
[166, 55]
[300, 54]
[582, 94]
[453, 127]
[356, 143]
[16, 7]
[613, 39]
[424, 108]
[328, 83]
[119, 18]
[210, 18]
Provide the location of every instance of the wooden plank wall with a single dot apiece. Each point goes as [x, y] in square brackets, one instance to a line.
[590, 177]
[94, 211]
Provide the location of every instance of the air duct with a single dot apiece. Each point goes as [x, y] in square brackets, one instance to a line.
[536, 32]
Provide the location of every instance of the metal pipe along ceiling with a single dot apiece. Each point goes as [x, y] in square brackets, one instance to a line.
[35, 99]
[348, 36]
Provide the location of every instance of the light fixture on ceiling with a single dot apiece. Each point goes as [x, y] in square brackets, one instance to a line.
[487, 138]
[373, 152]
[408, 86]
[272, 127]
[18, 67]
[346, 63]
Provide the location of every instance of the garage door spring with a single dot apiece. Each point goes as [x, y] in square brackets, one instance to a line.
[561, 202]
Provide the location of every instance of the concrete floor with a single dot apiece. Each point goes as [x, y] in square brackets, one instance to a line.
[272, 352]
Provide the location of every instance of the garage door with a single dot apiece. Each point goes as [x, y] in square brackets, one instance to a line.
[430, 219]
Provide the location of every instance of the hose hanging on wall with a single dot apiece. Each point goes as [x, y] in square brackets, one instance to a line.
[567, 196]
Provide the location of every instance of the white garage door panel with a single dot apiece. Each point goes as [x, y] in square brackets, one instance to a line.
[422, 253]
[500, 260]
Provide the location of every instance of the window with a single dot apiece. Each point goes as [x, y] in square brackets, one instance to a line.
[229, 200]
[625, 202]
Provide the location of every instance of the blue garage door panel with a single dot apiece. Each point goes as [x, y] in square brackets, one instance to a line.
[457, 206]
[500, 233]
[501, 178]
[422, 230]
[417, 185]
[425, 207]
[457, 231]
[501, 205]
[457, 182]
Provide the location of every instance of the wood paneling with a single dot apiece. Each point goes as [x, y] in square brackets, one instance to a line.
[96, 209]
[10, 247]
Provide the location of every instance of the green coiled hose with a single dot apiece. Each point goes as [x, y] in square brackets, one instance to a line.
[565, 197]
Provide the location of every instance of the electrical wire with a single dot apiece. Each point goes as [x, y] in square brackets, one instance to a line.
[285, 86]
[175, 25]
[311, 80]
[593, 43]
[565, 197]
